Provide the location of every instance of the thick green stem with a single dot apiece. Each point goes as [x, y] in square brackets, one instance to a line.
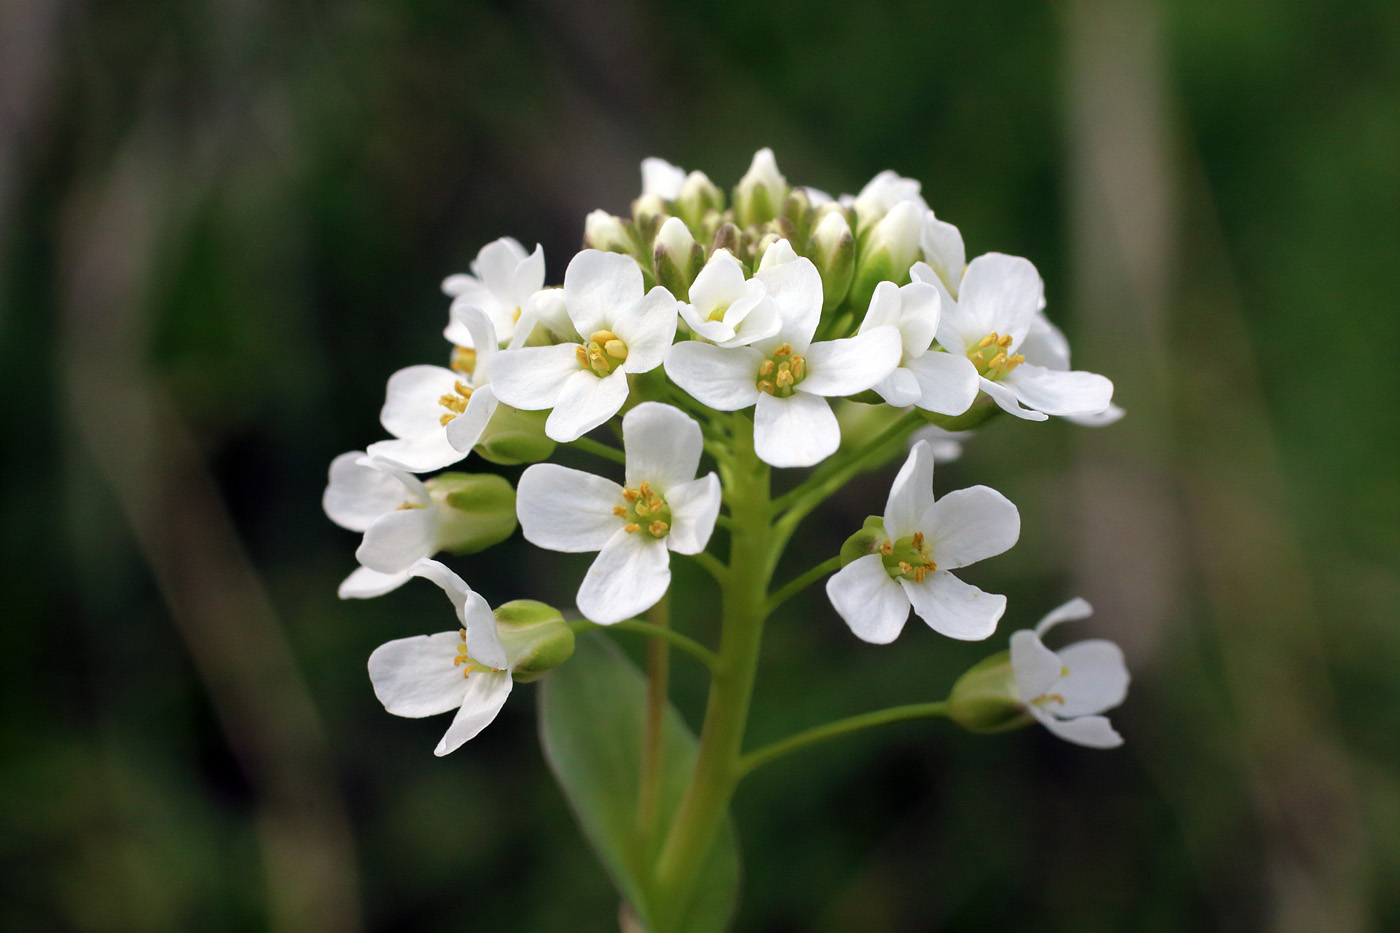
[658, 686]
[838, 728]
[744, 586]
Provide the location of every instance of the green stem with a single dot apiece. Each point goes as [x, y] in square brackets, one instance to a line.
[798, 584]
[834, 474]
[711, 564]
[689, 645]
[840, 727]
[599, 449]
[658, 685]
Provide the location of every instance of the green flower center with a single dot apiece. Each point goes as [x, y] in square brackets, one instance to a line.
[603, 352]
[907, 558]
[644, 511]
[781, 372]
[717, 314]
[990, 356]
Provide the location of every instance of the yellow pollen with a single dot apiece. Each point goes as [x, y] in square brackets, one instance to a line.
[784, 350]
[765, 385]
[631, 495]
[766, 368]
[454, 403]
[601, 337]
[445, 419]
[918, 540]
[619, 511]
[582, 356]
[616, 349]
[655, 504]
[1064, 671]
[631, 528]
[462, 389]
[463, 360]
[657, 529]
[784, 377]
[887, 548]
[645, 489]
[919, 574]
[905, 567]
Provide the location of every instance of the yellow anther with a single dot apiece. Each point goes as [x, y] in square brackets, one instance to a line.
[765, 385]
[1004, 340]
[645, 489]
[631, 528]
[784, 378]
[631, 495]
[453, 403]
[887, 548]
[1064, 671]
[657, 528]
[616, 349]
[918, 540]
[445, 419]
[905, 567]
[919, 574]
[601, 337]
[784, 350]
[766, 368]
[581, 355]
[619, 511]
[463, 360]
[656, 504]
[988, 340]
[799, 367]
[462, 389]
[642, 508]
[515, 315]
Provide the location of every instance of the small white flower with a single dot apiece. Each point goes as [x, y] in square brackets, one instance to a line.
[625, 328]
[661, 178]
[468, 670]
[398, 516]
[1069, 689]
[924, 541]
[984, 330]
[503, 279]
[663, 508]
[931, 380]
[882, 193]
[437, 414]
[787, 377]
[727, 309]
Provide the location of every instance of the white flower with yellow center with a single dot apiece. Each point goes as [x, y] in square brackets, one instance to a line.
[725, 308]
[437, 414]
[624, 329]
[924, 540]
[999, 300]
[503, 279]
[468, 670]
[931, 380]
[786, 377]
[1068, 690]
[633, 528]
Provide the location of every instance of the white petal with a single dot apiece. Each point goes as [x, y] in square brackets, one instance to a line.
[584, 402]
[531, 378]
[411, 400]
[1097, 678]
[472, 294]
[470, 320]
[547, 306]
[869, 601]
[900, 388]
[416, 677]
[1035, 666]
[486, 694]
[1090, 731]
[694, 507]
[661, 178]
[421, 454]
[884, 307]
[648, 327]
[1075, 609]
[396, 540]
[1059, 393]
[852, 364]
[629, 576]
[911, 493]
[921, 308]
[366, 584]
[948, 384]
[1002, 293]
[496, 263]
[455, 284]
[796, 288]
[527, 278]
[1101, 419]
[796, 431]
[724, 379]
[663, 446]
[1045, 345]
[1005, 397]
[465, 430]
[943, 250]
[969, 525]
[719, 284]
[954, 608]
[566, 510]
[778, 253]
[473, 612]
[598, 286]
[358, 493]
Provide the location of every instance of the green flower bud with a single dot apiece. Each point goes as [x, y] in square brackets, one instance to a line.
[761, 191]
[832, 248]
[864, 542]
[698, 196]
[513, 436]
[796, 215]
[535, 636]
[603, 231]
[890, 248]
[983, 409]
[677, 258]
[478, 510]
[985, 698]
[728, 237]
[647, 213]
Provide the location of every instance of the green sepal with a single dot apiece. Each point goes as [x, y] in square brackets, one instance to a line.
[478, 510]
[864, 542]
[983, 409]
[536, 635]
[513, 437]
[985, 700]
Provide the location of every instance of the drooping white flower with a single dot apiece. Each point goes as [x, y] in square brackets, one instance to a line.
[787, 377]
[725, 308]
[625, 329]
[931, 380]
[1068, 690]
[435, 414]
[503, 279]
[662, 508]
[394, 511]
[468, 670]
[661, 178]
[925, 539]
[999, 300]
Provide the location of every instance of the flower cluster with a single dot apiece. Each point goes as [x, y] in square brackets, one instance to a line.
[763, 324]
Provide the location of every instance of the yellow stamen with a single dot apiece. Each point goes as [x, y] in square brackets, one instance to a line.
[784, 350]
[657, 529]
[631, 528]
[631, 495]
[619, 511]
[616, 349]
[887, 548]
[445, 419]
[463, 360]
[582, 356]
[918, 540]
[766, 368]
[765, 385]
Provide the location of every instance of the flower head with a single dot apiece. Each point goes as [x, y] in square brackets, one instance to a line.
[1068, 690]
[503, 279]
[725, 308]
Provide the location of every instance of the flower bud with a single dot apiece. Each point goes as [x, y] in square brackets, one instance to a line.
[603, 231]
[676, 257]
[776, 254]
[761, 191]
[985, 698]
[513, 436]
[647, 212]
[864, 542]
[728, 237]
[832, 248]
[698, 196]
[535, 636]
[891, 247]
[477, 510]
[881, 194]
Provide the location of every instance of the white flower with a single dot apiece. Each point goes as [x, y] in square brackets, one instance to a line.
[787, 377]
[437, 414]
[663, 508]
[924, 541]
[882, 193]
[467, 670]
[727, 309]
[999, 300]
[626, 330]
[1067, 690]
[503, 279]
[394, 510]
[931, 380]
[661, 178]
[942, 246]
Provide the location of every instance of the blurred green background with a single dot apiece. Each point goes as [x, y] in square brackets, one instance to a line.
[223, 224]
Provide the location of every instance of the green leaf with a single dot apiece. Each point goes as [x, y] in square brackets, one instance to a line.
[592, 719]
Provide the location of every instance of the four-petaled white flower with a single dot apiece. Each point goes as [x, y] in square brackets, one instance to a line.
[725, 308]
[663, 508]
[787, 377]
[984, 328]
[468, 670]
[437, 414]
[1068, 690]
[503, 279]
[924, 540]
[929, 379]
[625, 329]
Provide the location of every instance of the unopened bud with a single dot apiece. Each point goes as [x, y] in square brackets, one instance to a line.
[776, 254]
[728, 237]
[881, 194]
[647, 212]
[676, 257]
[603, 231]
[477, 510]
[698, 196]
[535, 636]
[513, 436]
[761, 191]
[985, 698]
[891, 247]
[864, 542]
[832, 249]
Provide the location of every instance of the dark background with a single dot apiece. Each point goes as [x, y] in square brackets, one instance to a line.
[223, 225]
